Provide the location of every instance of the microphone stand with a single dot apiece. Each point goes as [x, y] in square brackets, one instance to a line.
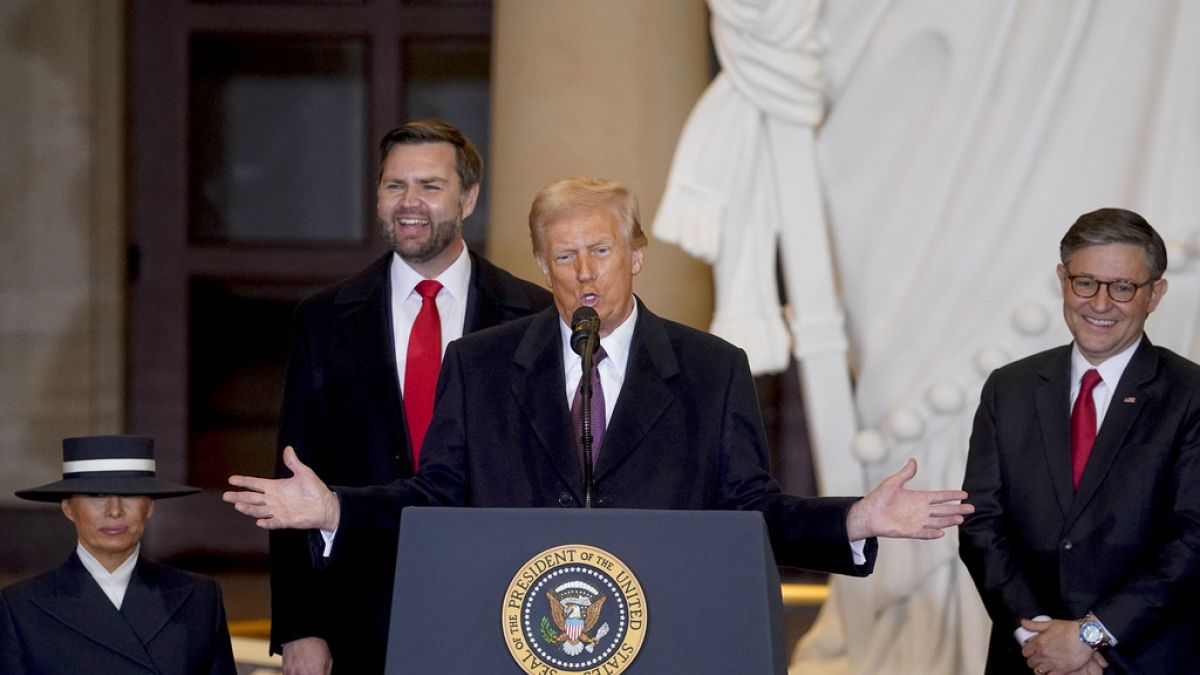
[585, 400]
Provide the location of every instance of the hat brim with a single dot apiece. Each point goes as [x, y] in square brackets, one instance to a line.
[126, 486]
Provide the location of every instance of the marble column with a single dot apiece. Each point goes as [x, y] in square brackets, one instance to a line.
[61, 231]
[597, 88]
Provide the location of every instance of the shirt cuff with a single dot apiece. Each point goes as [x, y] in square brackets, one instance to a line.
[1023, 635]
[857, 550]
[328, 537]
[1112, 639]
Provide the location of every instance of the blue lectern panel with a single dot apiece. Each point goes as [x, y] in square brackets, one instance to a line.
[709, 579]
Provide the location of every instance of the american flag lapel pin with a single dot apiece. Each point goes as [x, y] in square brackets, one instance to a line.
[1131, 399]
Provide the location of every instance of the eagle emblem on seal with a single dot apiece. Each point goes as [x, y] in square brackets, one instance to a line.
[575, 608]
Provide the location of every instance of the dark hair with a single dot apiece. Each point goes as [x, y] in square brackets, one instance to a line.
[468, 164]
[1116, 226]
[582, 194]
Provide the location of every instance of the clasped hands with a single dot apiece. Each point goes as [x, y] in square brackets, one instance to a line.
[1057, 649]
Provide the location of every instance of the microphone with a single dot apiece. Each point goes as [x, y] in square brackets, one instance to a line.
[585, 336]
[585, 323]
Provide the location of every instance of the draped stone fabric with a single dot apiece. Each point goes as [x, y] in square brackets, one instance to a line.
[958, 143]
[746, 150]
[744, 181]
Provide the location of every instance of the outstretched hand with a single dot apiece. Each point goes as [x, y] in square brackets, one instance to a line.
[302, 502]
[891, 510]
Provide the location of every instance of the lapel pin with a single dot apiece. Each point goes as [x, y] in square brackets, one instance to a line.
[1131, 399]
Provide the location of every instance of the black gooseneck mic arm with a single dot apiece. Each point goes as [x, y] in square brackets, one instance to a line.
[585, 337]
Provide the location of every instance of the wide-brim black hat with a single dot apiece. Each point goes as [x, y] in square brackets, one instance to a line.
[107, 465]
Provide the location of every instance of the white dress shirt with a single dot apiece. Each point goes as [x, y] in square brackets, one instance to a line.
[406, 303]
[1110, 374]
[115, 583]
[612, 367]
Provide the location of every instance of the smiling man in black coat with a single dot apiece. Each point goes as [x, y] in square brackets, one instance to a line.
[347, 407]
[1085, 538]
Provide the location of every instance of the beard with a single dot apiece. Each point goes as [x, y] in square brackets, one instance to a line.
[416, 251]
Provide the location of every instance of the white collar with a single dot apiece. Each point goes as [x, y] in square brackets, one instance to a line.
[1110, 369]
[616, 344]
[115, 583]
[455, 279]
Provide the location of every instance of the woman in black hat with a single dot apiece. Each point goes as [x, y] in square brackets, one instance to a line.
[107, 609]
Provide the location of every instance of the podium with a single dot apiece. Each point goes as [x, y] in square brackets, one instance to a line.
[491, 591]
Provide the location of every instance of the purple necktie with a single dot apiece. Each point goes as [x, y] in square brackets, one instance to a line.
[597, 410]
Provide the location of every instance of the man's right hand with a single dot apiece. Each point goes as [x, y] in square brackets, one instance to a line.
[302, 502]
[307, 656]
[1095, 666]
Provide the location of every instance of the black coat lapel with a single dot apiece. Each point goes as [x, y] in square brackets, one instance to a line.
[80, 605]
[1131, 396]
[540, 388]
[644, 394]
[150, 602]
[490, 301]
[1052, 402]
[364, 315]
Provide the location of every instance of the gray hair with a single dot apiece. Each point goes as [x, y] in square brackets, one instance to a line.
[1115, 226]
[572, 196]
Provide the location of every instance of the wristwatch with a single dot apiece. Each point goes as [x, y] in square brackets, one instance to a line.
[1091, 633]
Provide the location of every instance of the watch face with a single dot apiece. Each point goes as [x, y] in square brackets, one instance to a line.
[1091, 633]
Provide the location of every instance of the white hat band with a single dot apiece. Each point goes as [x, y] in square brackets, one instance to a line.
[94, 465]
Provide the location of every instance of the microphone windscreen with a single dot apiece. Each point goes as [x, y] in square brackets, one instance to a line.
[584, 313]
[583, 321]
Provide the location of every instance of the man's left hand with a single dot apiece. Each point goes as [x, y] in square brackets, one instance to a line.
[890, 510]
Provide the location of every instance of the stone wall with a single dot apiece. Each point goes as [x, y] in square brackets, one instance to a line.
[61, 232]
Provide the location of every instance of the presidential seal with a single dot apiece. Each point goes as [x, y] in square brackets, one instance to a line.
[574, 609]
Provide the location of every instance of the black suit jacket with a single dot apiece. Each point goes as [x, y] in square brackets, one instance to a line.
[686, 433]
[1125, 545]
[343, 414]
[61, 622]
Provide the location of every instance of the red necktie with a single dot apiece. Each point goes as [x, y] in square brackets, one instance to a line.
[421, 366]
[597, 410]
[1083, 425]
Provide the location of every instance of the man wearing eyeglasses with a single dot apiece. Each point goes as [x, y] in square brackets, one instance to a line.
[1084, 470]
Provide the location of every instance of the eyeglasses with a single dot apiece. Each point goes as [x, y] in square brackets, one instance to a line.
[1120, 290]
